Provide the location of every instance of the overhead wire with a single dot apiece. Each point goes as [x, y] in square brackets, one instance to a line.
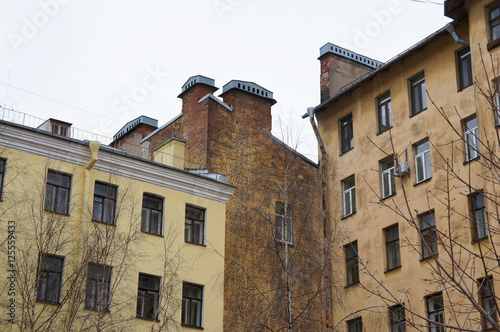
[56, 101]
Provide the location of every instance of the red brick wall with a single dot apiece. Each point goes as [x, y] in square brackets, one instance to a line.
[237, 143]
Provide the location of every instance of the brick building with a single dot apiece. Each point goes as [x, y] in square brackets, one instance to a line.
[272, 221]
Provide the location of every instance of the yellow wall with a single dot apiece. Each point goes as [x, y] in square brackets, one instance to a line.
[171, 153]
[438, 61]
[198, 264]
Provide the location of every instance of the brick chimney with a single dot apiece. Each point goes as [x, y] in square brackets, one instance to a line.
[339, 67]
[195, 117]
[251, 105]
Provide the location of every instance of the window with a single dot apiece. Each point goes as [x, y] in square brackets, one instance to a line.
[478, 216]
[429, 236]
[388, 180]
[104, 203]
[487, 300]
[59, 130]
[195, 225]
[3, 163]
[152, 214]
[417, 93]
[148, 296]
[284, 225]
[346, 134]
[422, 161]
[435, 312]
[384, 113]
[349, 195]
[57, 192]
[464, 68]
[494, 22]
[192, 304]
[98, 285]
[397, 318]
[355, 325]
[496, 97]
[351, 261]
[471, 136]
[50, 269]
[392, 247]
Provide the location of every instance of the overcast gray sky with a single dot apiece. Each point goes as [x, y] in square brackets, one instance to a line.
[99, 64]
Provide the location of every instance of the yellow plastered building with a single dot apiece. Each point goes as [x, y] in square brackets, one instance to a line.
[96, 239]
[411, 161]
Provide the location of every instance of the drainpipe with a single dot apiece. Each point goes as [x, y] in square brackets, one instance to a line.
[94, 148]
[311, 111]
[451, 29]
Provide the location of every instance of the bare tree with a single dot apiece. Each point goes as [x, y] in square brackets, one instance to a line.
[278, 270]
[464, 272]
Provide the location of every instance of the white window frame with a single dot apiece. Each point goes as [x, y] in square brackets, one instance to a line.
[496, 99]
[425, 158]
[471, 137]
[280, 223]
[388, 174]
[351, 194]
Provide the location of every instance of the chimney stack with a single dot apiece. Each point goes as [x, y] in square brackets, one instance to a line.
[339, 67]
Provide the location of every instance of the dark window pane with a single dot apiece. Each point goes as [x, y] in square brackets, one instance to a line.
[194, 225]
[192, 305]
[57, 192]
[104, 203]
[49, 281]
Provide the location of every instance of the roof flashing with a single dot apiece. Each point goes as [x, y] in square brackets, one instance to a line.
[343, 52]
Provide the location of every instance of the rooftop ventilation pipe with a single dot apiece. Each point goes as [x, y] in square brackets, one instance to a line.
[451, 29]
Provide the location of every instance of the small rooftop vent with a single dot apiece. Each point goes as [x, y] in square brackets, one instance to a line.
[248, 87]
[57, 127]
[132, 124]
[197, 79]
[364, 60]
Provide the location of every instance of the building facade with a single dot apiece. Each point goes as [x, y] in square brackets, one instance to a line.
[411, 148]
[273, 228]
[95, 239]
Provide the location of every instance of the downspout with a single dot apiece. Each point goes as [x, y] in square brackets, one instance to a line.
[311, 112]
[451, 29]
[94, 148]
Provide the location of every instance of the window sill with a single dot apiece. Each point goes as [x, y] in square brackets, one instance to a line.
[386, 197]
[428, 257]
[385, 131]
[479, 240]
[159, 235]
[346, 152]
[192, 327]
[278, 241]
[465, 87]
[61, 214]
[147, 318]
[423, 181]
[104, 223]
[351, 285]
[393, 269]
[492, 44]
[347, 216]
[471, 160]
[96, 310]
[48, 302]
[196, 244]
[415, 114]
